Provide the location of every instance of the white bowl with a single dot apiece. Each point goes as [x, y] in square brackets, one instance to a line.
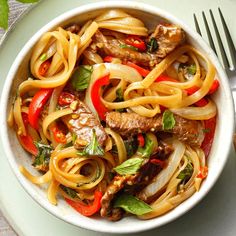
[17, 156]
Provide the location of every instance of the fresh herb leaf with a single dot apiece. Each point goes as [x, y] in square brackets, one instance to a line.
[130, 166]
[93, 148]
[152, 45]
[119, 95]
[186, 173]
[74, 137]
[43, 57]
[206, 130]
[27, 1]
[168, 120]
[129, 47]
[132, 204]
[81, 77]
[4, 11]
[147, 150]
[43, 156]
[69, 191]
[192, 69]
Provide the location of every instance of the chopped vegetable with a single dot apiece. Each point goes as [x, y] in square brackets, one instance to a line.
[66, 98]
[43, 57]
[4, 11]
[44, 67]
[136, 41]
[165, 78]
[43, 156]
[132, 204]
[130, 166]
[209, 136]
[87, 210]
[93, 148]
[81, 77]
[95, 95]
[158, 162]
[119, 95]
[140, 70]
[58, 135]
[214, 86]
[69, 191]
[36, 106]
[152, 45]
[125, 46]
[186, 173]
[168, 120]
[141, 140]
[147, 150]
[202, 172]
[27, 141]
[108, 59]
[191, 69]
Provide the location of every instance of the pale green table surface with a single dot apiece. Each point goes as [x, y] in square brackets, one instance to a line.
[215, 215]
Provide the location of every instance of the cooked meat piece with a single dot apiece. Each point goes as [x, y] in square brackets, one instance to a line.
[82, 122]
[73, 28]
[127, 124]
[114, 187]
[112, 47]
[168, 37]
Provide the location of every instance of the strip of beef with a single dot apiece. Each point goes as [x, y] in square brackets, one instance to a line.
[82, 122]
[114, 187]
[73, 28]
[168, 38]
[189, 131]
[132, 183]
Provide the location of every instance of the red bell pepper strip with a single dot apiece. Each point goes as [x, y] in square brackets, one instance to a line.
[165, 78]
[87, 210]
[210, 125]
[58, 135]
[108, 59]
[27, 141]
[44, 67]
[158, 162]
[95, 95]
[214, 86]
[202, 172]
[65, 98]
[36, 106]
[136, 41]
[141, 140]
[140, 70]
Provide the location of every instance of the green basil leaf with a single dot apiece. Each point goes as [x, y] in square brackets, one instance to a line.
[152, 45]
[192, 69]
[4, 11]
[93, 148]
[147, 150]
[27, 1]
[132, 204]
[168, 120]
[186, 173]
[81, 77]
[69, 191]
[129, 47]
[130, 166]
[43, 156]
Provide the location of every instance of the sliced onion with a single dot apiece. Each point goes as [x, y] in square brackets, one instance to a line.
[165, 175]
[197, 113]
[119, 71]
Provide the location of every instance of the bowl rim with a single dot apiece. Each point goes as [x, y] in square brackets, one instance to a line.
[139, 6]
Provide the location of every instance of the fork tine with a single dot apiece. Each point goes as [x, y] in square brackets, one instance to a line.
[222, 50]
[196, 24]
[232, 49]
[208, 33]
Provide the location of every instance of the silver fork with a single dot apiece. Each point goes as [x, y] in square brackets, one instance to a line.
[230, 70]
